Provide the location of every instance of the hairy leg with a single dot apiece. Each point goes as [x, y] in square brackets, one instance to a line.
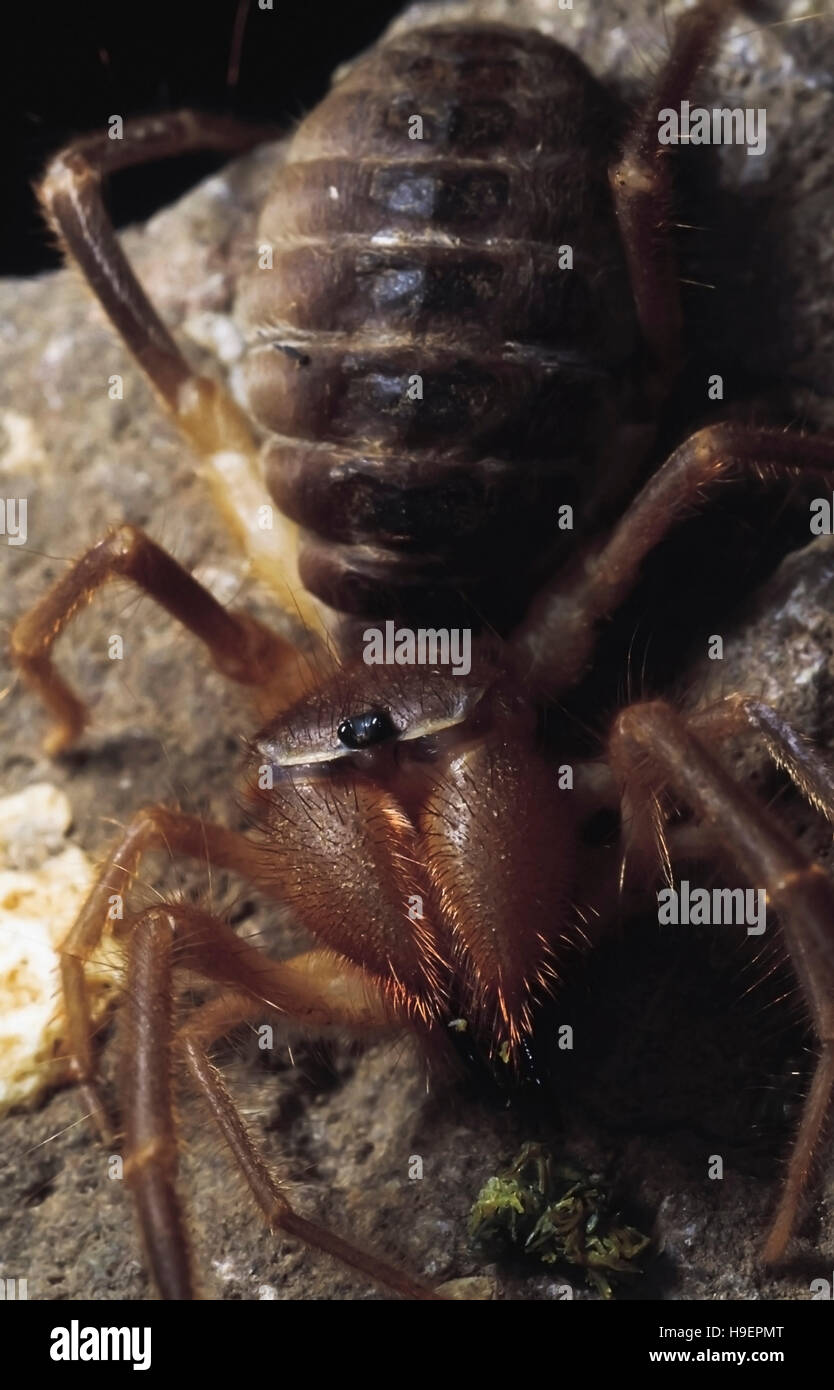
[653, 750]
[204, 411]
[241, 647]
[555, 642]
[641, 185]
[154, 827]
[70, 193]
[809, 768]
[160, 939]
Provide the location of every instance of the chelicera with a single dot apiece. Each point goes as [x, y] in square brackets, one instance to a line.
[409, 815]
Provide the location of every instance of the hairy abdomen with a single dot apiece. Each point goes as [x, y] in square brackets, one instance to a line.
[445, 340]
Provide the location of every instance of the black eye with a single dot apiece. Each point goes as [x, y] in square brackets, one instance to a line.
[365, 730]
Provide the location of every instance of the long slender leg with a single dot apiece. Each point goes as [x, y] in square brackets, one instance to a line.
[194, 1040]
[646, 835]
[70, 193]
[641, 185]
[223, 956]
[651, 747]
[555, 642]
[809, 768]
[150, 1131]
[154, 827]
[204, 412]
[156, 943]
[241, 647]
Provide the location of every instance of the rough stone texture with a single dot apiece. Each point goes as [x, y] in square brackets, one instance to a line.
[674, 1045]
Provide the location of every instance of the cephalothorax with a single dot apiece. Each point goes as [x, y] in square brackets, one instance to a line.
[430, 372]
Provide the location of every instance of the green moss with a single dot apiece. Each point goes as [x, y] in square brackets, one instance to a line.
[559, 1214]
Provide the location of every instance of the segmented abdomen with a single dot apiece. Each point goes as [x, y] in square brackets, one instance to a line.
[439, 348]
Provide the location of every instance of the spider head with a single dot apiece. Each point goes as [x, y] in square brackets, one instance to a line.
[415, 827]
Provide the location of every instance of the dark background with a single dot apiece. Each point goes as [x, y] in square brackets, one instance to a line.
[67, 68]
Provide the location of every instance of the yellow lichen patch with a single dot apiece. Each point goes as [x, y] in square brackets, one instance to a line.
[21, 448]
[471, 1289]
[43, 883]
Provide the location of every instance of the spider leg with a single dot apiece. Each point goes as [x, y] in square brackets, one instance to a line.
[204, 411]
[652, 748]
[151, 828]
[555, 642]
[150, 1132]
[160, 939]
[217, 1018]
[641, 185]
[71, 196]
[241, 647]
[810, 770]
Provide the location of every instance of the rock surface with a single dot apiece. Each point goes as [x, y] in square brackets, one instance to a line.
[344, 1125]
